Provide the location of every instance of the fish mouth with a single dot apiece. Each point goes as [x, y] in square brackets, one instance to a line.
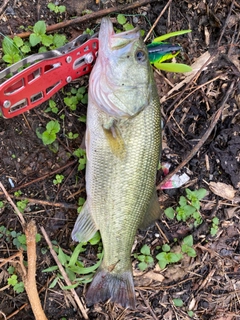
[114, 41]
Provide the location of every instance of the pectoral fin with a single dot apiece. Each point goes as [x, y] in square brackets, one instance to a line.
[115, 141]
[85, 227]
[153, 212]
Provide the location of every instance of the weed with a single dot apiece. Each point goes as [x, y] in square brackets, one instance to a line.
[50, 134]
[22, 205]
[81, 202]
[188, 207]
[214, 228]
[16, 49]
[122, 20]
[166, 257]
[58, 179]
[52, 107]
[72, 136]
[81, 154]
[74, 266]
[17, 238]
[18, 287]
[75, 96]
[187, 246]
[55, 8]
[178, 302]
[145, 258]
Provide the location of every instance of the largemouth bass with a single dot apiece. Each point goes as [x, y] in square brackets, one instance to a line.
[123, 141]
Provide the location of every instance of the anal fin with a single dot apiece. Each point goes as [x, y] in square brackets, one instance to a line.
[85, 227]
[153, 212]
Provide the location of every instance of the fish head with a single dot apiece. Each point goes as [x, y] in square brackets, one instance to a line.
[121, 80]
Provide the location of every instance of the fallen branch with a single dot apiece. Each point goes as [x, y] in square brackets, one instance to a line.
[30, 279]
[213, 123]
[91, 16]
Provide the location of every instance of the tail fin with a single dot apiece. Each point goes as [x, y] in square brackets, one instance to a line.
[117, 287]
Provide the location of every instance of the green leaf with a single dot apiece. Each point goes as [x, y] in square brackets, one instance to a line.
[63, 258]
[53, 284]
[74, 257]
[128, 26]
[142, 266]
[121, 19]
[59, 40]
[213, 231]
[18, 41]
[188, 240]
[166, 248]
[182, 201]
[61, 9]
[149, 259]
[50, 269]
[96, 238]
[9, 47]
[25, 49]
[190, 313]
[170, 35]
[169, 212]
[40, 27]
[145, 250]
[201, 193]
[19, 287]
[11, 58]
[215, 220]
[53, 126]
[174, 257]
[12, 280]
[178, 302]
[51, 6]
[47, 40]
[34, 39]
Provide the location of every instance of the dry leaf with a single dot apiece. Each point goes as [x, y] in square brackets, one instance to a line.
[154, 276]
[223, 190]
[196, 66]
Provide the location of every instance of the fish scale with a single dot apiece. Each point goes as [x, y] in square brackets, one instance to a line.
[123, 142]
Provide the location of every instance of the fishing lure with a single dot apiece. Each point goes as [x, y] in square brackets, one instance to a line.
[160, 51]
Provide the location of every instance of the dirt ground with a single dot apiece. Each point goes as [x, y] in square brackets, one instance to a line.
[209, 284]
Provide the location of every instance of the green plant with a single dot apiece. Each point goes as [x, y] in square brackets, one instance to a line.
[16, 49]
[214, 228]
[52, 107]
[188, 207]
[18, 193]
[73, 266]
[166, 257]
[75, 96]
[55, 8]
[178, 302]
[22, 204]
[72, 136]
[58, 179]
[187, 246]
[17, 238]
[81, 202]
[145, 258]
[81, 154]
[18, 287]
[50, 134]
[1, 204]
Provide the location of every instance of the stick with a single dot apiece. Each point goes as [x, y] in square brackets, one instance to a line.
[91, 16]
[65, 276]
[30, 279]
[213, 123]
[23, 223]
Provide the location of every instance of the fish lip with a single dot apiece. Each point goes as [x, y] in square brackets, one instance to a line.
[113, 41]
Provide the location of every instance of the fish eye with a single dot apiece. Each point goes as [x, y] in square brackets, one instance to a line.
[140, 56]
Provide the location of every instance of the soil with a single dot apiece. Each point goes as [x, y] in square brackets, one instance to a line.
[208, 284]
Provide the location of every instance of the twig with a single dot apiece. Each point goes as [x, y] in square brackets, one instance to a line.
[47, 203]
[23, 222]
[214, 121]
[65, 276]
[91, 16]
[42, 177]
[158, 18]
[226, 23]
[5, 2]
[30, 279]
